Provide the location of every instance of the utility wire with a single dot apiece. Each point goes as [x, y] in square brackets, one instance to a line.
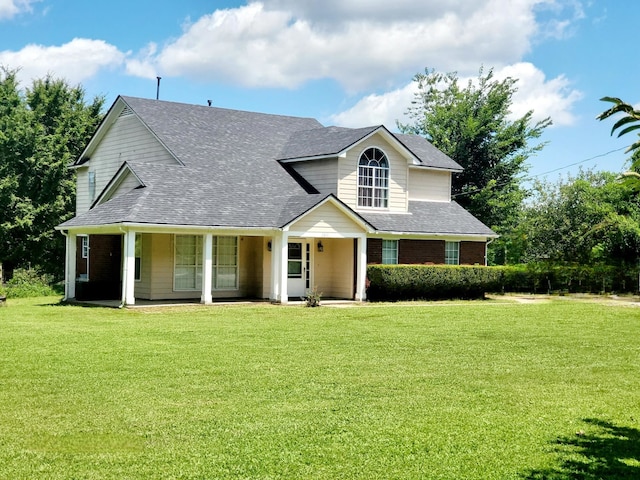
[531, 177]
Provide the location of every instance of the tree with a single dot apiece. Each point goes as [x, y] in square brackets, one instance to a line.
[42, 130]
[627, 124]
[586, 219]
[471, 126]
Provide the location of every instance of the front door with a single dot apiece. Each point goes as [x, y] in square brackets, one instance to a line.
[298, 269]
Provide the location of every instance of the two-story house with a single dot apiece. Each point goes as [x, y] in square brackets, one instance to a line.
[179, 201]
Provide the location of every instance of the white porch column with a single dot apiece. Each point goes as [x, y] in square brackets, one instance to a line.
[284, 267]
[207, 268]
[70, 266]
[129, 268]
[276, 250]
[361, 273]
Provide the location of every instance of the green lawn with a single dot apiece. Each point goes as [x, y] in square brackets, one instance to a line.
[457, 391]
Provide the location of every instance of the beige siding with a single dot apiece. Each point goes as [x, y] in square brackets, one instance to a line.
[127, 139]
[158, 265]
[333, 268]
[432, 185]
[322, 174]
[266, 268]
[143, 287]
[82, 190]
[251, 261]
[127, 183]
[348, 174]
[326, 220]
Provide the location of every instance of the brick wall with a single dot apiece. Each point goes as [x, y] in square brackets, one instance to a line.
[472, 253]
[420, 251]
[412, 252]
[105, 258]
[374, 251]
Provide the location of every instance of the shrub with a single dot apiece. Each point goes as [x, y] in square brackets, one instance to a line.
[313, 297]
[28, 283]
[419, 282]
[435, 282]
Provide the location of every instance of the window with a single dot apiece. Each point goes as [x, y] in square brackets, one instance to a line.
[373, 179]
[85, 246]
[188, 263]
[225, 263]
[138, 255]
[452, 253]
[92, 186]
[389, 251]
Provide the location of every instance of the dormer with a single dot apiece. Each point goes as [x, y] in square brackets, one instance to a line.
[370, 169]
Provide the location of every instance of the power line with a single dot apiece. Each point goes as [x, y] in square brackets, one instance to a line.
[531, 177]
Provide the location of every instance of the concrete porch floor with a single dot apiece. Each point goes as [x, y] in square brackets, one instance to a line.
[177, 303]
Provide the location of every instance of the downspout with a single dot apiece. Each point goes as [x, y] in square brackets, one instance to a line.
[486, 251]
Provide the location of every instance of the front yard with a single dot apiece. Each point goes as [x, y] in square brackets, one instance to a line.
[480, 390]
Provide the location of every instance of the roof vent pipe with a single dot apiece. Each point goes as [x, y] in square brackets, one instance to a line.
[158, 88]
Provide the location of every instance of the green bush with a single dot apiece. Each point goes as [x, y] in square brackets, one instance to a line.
[28, 283]
[436, 282]
[418, 282]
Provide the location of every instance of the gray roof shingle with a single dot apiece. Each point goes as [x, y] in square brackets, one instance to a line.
[229, 175]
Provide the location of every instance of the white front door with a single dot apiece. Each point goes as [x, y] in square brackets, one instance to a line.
[298, 269]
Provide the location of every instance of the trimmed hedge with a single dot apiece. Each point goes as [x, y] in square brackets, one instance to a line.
[437, 282]
[419, 282]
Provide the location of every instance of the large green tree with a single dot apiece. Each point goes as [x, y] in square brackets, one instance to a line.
[42, 129]
[472, 124]
[590, 218]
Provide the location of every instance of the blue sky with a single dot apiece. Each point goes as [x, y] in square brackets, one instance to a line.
[344, 62]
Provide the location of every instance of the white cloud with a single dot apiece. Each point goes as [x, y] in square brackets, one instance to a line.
[74, 61]
[547, 98]
[11, 8]
[360, 44]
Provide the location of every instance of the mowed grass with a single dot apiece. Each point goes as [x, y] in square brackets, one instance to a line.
[477, 390]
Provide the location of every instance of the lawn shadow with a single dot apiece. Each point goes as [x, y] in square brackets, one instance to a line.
[604, 451]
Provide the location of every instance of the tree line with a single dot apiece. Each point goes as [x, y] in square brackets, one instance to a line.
[589, 218]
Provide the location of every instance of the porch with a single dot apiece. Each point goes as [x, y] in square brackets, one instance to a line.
[146, 268]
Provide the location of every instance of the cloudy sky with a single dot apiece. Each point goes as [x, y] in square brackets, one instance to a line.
[344, 62]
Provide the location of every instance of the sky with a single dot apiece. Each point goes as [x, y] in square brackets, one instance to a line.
[345, 62]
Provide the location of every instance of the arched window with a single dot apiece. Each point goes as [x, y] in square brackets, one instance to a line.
[373, 179]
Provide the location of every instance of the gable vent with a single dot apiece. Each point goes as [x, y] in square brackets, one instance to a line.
[126, 112]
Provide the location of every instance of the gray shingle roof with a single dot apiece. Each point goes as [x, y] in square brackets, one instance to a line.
[230, 177]
[439, 218]
[323, 141]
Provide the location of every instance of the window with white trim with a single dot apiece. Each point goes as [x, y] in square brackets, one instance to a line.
[390, 252]
[225, 263]
[85, 246]
[452, 253]
[188, 262]
[92, 186]
[373, 179]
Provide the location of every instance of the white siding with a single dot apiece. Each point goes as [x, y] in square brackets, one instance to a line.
[322, 174]
[348, 174]
[127, 139]
[326, 220]
[432, 185]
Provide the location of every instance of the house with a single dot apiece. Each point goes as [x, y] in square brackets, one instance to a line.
[178, 201]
